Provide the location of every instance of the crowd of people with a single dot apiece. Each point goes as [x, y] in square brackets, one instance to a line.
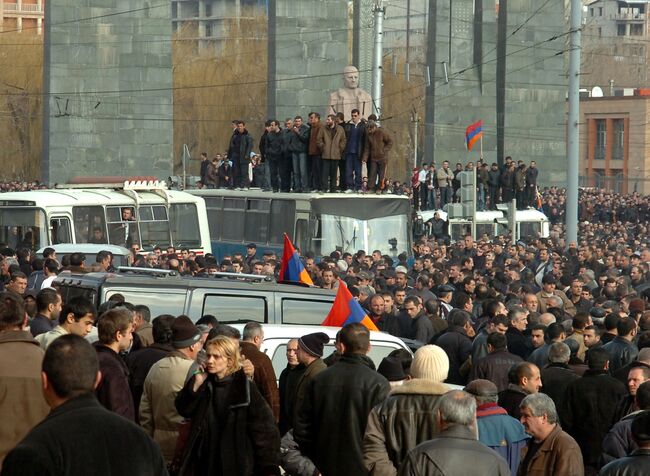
[532, 358]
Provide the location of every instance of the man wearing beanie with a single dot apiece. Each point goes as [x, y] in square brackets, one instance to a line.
[158, 415]
[408, 416]
[310, 353]
[264, 374]
[331, 421]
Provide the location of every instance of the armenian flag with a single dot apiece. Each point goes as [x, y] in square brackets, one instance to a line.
[292, 268]
[346, 310]
[473, 133]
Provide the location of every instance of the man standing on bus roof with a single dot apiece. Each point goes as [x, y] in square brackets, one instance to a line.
[239, 151]
[378, 144]
[355, 131]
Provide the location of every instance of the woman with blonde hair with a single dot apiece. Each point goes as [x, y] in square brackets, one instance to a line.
[233, 431]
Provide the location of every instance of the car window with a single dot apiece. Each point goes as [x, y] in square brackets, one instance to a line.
[235, 308]
[379, 351]
[304, 311]
[159, 301]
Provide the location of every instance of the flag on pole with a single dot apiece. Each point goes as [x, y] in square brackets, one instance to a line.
[346, 310]
[473, 133]
[292, 268]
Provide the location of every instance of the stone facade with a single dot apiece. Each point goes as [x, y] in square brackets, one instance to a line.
[108, 84]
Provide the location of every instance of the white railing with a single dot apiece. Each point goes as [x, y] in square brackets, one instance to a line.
[23, 7]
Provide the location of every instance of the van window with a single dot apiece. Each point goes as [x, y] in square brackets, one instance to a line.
[231, 309]
[279, 357]
[303, 311]
[159, 301]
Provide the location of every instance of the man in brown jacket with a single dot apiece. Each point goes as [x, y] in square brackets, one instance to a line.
[550, 450]
[264, 376]
[378, 144]
[331, 143]
[22, 405]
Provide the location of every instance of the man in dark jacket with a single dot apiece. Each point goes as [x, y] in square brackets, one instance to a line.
[531, 184]
[66, 442]
[298, 146]
[355, 133]
[48, 307]
[457, 344]
[287, 383]
[239, 152]
[455, 450]
[518, 343]
[637, 463]
[524, 379]
[408, 416]
[497, 364]
[286, 164]
[619, 442]
[115, 330]
[590, 403]
[332, 420]
[272, 154]
[622, 349]
[420, 325]
[310, 353]
[557, 375]
[375, 154]
[494, 181]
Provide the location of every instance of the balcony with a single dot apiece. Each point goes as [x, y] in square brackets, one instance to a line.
[630, 16]
[23, 8]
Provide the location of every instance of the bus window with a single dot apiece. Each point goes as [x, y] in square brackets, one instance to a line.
[154, 226]
[283, 213]
[530, 229]
[302, 239]
[23, 228]
[235, 308]
[485, 229]
[256, 228]
[122, 227]
[233, 216]
[89, 225]
[61, 231]
[214, 208]
[184, 225]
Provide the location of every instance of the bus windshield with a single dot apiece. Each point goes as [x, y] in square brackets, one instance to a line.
[387, 234]
[23, 227]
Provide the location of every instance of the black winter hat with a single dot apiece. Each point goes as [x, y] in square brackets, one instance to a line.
[313, 343]
[184, 333]
[391, 368]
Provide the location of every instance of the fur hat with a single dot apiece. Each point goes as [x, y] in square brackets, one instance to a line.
[431, 363]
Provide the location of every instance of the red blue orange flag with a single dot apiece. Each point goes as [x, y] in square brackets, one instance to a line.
[347, 310]
[473, 133]
[292, 268]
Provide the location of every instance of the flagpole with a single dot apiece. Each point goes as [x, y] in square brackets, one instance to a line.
[481, 145]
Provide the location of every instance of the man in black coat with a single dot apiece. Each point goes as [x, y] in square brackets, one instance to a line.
[457, 344]
[622, 349]
[79, 436]
[497, 364]
[524, 379]
[557, 376]
[332, 420]
[638, 462]
[590, 403]
[518, 343]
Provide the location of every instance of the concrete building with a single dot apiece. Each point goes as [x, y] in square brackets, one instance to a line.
[609, 18]
[615, 143]
[22, 16]
[107, 89]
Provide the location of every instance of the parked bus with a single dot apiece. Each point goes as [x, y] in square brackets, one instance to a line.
[530, 223]
[138, 212]
[320, 223]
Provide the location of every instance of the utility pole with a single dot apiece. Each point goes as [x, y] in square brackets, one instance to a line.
[416, 123]
[573, 133]
[379, 10]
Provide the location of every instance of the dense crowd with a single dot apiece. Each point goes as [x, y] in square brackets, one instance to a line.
[549, 342]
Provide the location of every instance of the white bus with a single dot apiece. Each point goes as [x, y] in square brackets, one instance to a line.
[137, 212]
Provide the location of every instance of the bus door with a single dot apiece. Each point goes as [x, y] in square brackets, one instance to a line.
[60, 228]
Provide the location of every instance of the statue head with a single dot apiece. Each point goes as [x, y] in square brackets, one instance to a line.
[351, 77]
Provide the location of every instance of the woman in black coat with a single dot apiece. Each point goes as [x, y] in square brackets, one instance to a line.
[233, 431]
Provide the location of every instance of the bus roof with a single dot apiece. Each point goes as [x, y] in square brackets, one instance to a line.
[258, 193]
[489, 216]
[96, 196]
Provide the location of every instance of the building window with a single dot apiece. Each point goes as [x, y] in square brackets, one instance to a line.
[600, 11]
[601, 139]
[636, 29]
[600, 31]
[591, 12]
[620, 29]
[619, 138]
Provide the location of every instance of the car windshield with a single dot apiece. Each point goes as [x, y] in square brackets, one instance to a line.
[387, 234]
[23, 228]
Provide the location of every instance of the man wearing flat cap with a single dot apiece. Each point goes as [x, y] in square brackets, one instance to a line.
[310, 353]
[158, 415]
[251, 254]
[496, 429]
